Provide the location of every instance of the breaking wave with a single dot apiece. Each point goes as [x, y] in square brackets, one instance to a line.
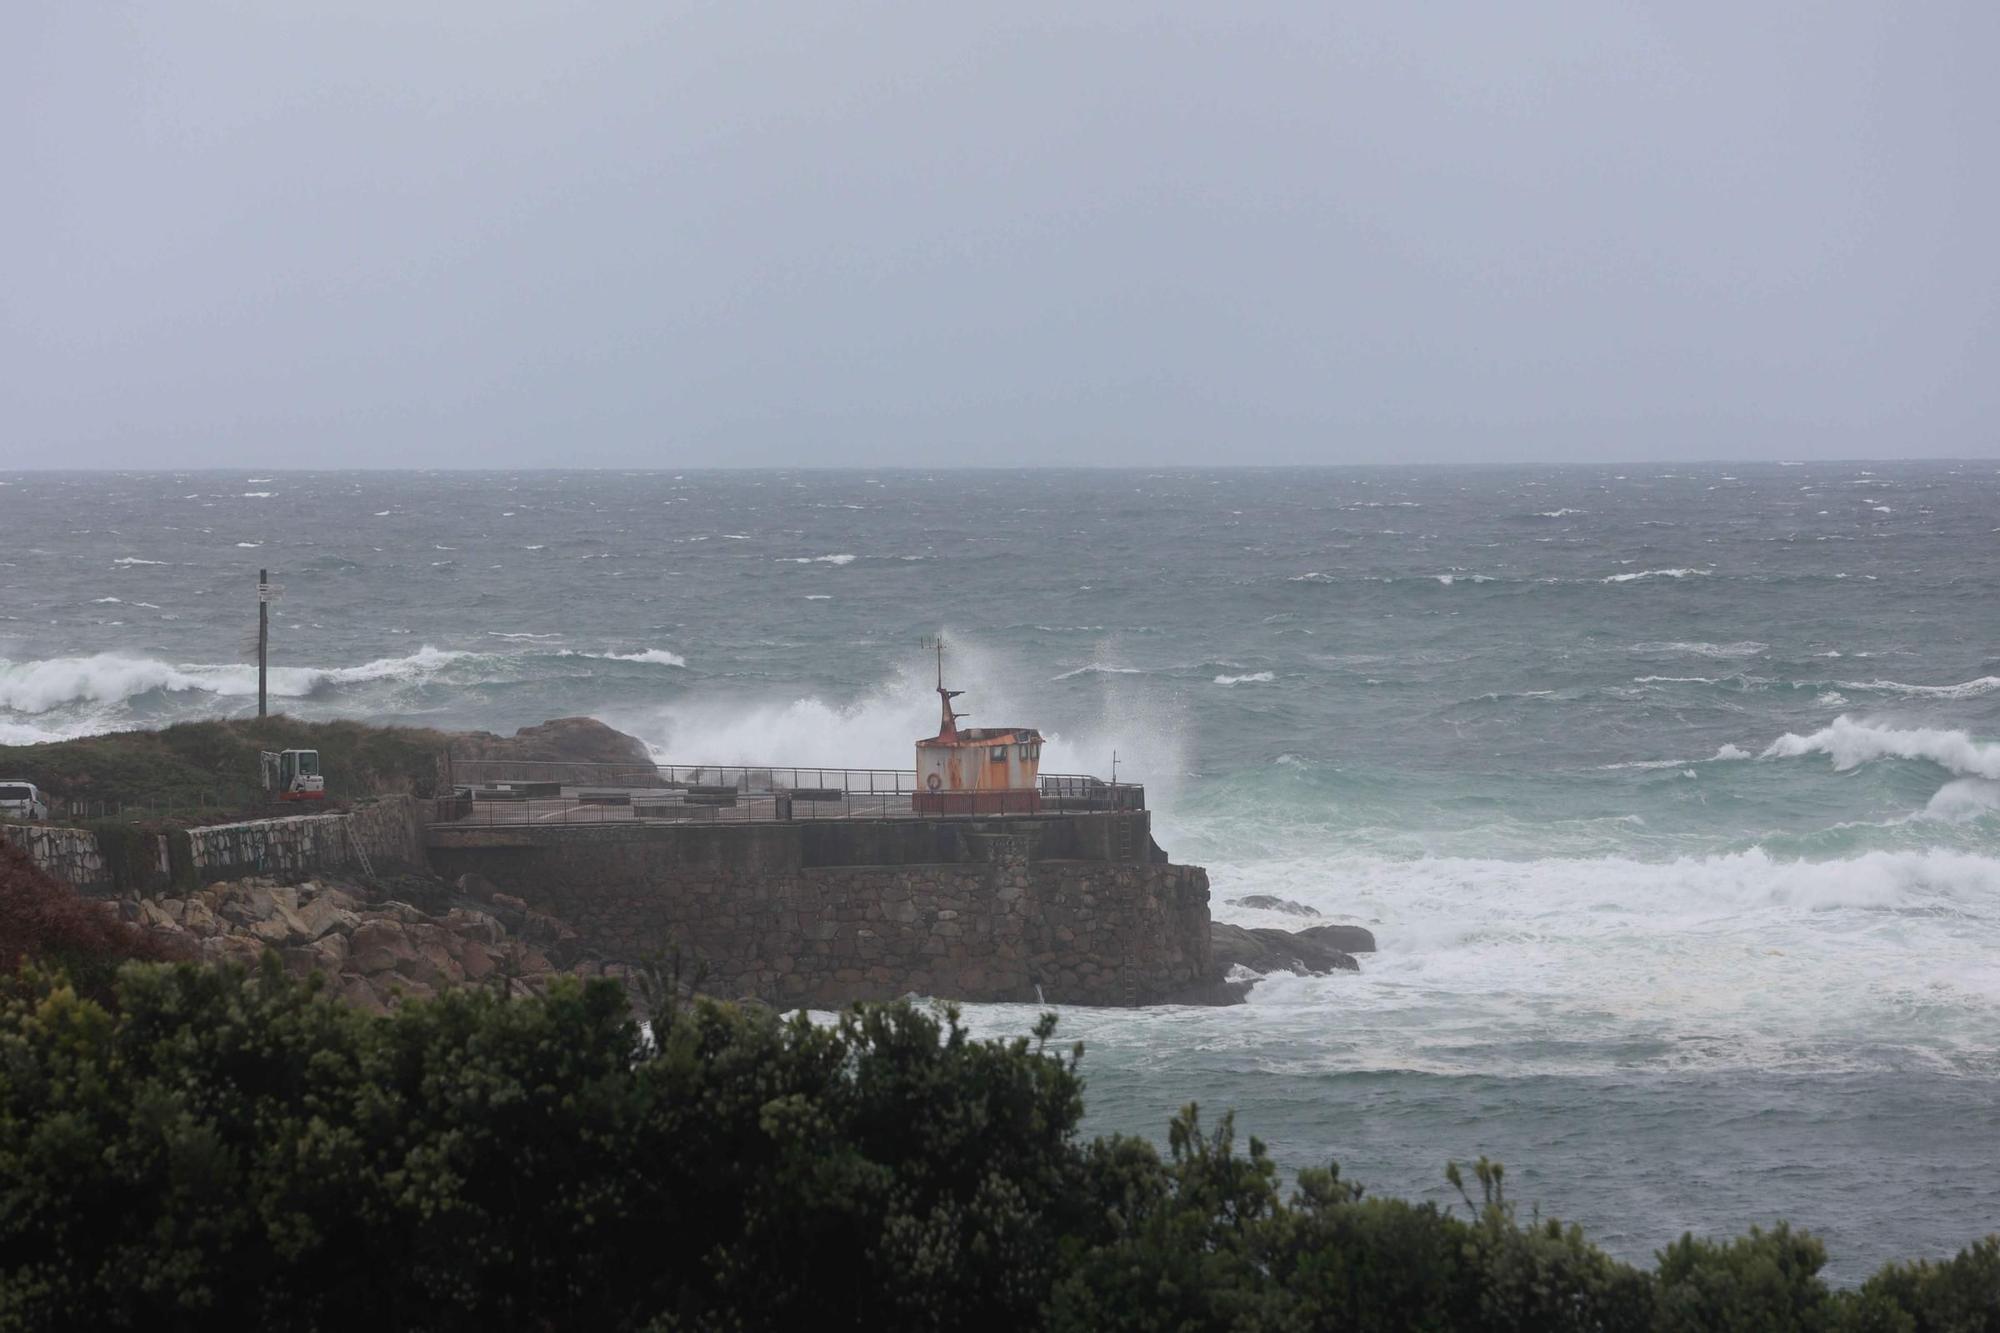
[38, 687]
[1637, 574]
[653, 656]
[1850, 744]
[1741, 648]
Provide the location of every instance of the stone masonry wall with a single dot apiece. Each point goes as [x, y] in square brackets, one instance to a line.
[389, 829]
[1000, 927]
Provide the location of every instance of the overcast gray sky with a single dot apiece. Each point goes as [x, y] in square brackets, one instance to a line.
[491, 233]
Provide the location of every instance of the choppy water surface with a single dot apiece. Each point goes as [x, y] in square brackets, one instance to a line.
[1673, 793]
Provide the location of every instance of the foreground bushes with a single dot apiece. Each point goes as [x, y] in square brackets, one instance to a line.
[231, 1151]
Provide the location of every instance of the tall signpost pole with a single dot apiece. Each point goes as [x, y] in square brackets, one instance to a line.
[263, 634]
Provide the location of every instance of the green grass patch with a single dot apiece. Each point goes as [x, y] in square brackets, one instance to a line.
[210, 769]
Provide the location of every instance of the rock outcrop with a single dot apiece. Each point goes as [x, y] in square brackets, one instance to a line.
[1347, 939]
[1265, 951]
[562, 740]
[1313, 952]
[373, 950]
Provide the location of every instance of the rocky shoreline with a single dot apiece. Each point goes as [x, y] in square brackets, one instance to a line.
[372, 946]
[411, 936]
[1242, 956]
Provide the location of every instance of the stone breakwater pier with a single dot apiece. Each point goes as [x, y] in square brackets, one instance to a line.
[1071, 907]
[1077, 908]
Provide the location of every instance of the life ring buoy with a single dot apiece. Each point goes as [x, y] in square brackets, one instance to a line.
[934, 782]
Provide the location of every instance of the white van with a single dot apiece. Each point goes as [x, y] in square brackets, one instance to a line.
[22, 800]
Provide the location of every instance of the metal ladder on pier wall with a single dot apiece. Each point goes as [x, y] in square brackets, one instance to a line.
[1124, 826]
[360, 852]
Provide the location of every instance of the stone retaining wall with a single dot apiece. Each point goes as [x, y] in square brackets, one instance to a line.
[71, 854]
[389, 829]
[998, 925]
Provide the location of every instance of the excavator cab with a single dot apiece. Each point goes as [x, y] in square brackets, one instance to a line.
[293, 775]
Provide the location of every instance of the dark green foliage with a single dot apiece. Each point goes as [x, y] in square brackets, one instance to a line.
[1960, 1295]
[184, 875]
[131, 855]
[231, 1150]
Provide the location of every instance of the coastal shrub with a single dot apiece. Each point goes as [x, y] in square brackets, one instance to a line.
[130, 854]
[223, 1149]
[46, 921]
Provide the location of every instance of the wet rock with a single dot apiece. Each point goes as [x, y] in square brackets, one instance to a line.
[1264, 902]
[198, 918]
[469, 924]
[1265, 951]
[1347, 939]
[379, 946]
[332, 952]
[325, 913]
[359, 993]
[1308, 956]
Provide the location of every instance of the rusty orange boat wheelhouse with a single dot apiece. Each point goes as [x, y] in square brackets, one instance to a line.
[977, 770]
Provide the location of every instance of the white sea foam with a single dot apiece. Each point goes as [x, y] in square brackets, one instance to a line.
[1252, 678]
[878, 729]
[1560, 513]
[1745, 960]
[1850, 743]
[1100, 669]
[1966, 689]
[101, 601]
[841, 559]
[135, 560]
[1656, 574]
[1741, 648]
[654, 656]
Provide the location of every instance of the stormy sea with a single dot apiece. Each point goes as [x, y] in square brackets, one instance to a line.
[1671, 792]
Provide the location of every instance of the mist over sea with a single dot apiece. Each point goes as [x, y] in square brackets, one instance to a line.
[1671, 792]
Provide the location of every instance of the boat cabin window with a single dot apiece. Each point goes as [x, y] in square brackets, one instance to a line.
[999, 754]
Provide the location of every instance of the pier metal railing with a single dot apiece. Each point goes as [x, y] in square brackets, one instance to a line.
[513, 791]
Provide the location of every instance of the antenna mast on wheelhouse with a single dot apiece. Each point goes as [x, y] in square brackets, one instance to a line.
[975, 770]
